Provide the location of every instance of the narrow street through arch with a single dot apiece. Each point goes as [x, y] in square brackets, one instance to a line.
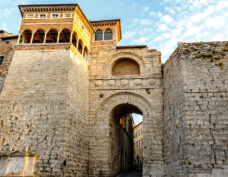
[135, 173]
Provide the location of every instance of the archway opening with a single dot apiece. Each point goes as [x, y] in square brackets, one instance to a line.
[39, 36]
[126, 139]
[125, 66]
[26, 37]
[74, 39]
[80, 46]
[52, 36]
[85, 54]
[65, 36]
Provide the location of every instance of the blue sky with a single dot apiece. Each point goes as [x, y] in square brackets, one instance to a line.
[137, 118]
[160, 24]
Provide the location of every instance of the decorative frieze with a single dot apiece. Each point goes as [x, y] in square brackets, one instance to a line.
[124, 82]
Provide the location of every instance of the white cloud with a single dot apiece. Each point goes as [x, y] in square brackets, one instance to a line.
[162, 27]
[159, 14]
[146, 22]
[166, 35]
[152, 14]
[141, 40]
[4, 26]
[170, 10]
[146, 8]
[203, 15]
[167, 19]
[135, 20]
[158, 38]
[129, 34]
[221, 5]
[215, 22]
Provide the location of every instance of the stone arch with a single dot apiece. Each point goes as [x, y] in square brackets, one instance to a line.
[65, 36]
[129, 55]
[104, 123]
[80, 46]
[124, 97]
[25, 36]
[125, 66]
[39, 36]
[52, 36]
[74, 39]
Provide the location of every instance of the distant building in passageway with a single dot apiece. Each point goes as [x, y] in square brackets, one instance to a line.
[138, 144]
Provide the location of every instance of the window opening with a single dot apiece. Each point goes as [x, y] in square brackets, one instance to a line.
[52, 36]
[98, 35]
[74, 39]
[42, 16]
[55, 15]
[1, 60]
[108, 34]
[26, 36]
[65, 36]
[80, 47]
[39, 36]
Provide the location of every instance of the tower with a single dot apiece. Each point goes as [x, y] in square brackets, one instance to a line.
[44, 100]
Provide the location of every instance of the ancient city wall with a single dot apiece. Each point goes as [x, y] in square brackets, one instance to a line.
[76, 145]
[143, 91]
[174, 127]
[44, 105]
[32, 103]
[204, 70]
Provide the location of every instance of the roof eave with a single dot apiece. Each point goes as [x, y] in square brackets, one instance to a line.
[36, 5]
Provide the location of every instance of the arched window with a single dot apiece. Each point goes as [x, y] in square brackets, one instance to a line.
[125, 66]
[38, 36]
[26, 37]
[64, 36]
[85, 54]
[99, 35]
[80, 46]
[74, 39]
[52, 36]
[108, 34]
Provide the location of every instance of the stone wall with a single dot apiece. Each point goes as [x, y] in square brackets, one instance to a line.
[174, 127]
[6, 51]
[202, 69]
[107, 92]
[43, 109]
[76, 145]
[33, 107]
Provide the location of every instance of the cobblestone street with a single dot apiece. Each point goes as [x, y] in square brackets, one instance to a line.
[135, 173]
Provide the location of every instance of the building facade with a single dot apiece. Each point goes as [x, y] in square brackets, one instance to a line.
[66, 84]
[138, 145]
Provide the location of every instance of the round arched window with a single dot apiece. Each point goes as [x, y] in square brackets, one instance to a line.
[125, 66]
[108, 34]
[98, 35]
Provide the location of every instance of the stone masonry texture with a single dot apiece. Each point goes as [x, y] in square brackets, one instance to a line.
[64, 113]
[64, 109]
[195, 110]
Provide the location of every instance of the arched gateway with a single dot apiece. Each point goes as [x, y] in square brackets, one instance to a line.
[108, 157]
